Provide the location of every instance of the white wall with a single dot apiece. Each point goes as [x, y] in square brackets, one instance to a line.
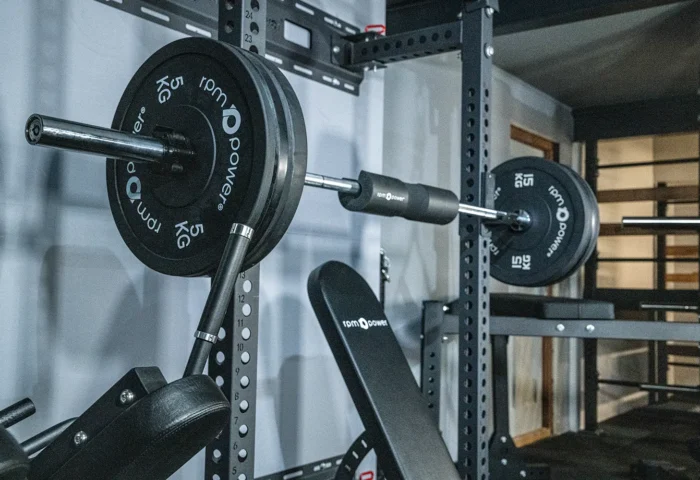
[79, 310]
[422, 144]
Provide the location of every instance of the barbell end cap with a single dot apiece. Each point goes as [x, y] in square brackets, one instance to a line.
[33, 129]
[207, 337]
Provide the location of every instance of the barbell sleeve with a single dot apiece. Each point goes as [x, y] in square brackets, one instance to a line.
[663, 223]
[342, 185]
[78, 137]
[370, 193]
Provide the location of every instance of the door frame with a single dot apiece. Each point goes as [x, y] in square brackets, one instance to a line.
[551, 152]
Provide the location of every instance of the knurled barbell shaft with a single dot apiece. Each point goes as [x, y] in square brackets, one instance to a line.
[68, 135]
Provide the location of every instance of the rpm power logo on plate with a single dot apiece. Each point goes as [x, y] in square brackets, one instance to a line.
[364, 324]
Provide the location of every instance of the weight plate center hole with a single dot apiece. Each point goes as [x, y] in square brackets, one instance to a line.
[180, 189]
[524, 225]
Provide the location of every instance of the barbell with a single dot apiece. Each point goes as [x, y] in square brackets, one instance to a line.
[663, 223]
[207, 136]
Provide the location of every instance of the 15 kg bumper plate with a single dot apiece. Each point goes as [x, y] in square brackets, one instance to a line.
[563, 229]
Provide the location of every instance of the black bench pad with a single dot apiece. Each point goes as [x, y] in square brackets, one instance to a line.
[535, 306]
[395, 414]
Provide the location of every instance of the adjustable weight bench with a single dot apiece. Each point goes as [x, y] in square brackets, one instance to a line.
[399, 424]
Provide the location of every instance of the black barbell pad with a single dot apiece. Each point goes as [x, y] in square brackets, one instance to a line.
[14, 464]
[394, 412]
[390, 197]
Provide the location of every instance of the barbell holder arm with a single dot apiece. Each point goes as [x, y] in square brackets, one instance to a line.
[663, 223]
[14, 414]
[219, 297]
[370, 193]
[171, 151]
[45, 438]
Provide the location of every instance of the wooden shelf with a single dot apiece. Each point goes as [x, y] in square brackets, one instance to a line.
[615, 229]
[660, 194]
[682, 277]
[682, 251]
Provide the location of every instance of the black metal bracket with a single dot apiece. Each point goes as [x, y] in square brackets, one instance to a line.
[505, 462]
[433, 324]
[318, 61]
[186, 16]
[375, 50]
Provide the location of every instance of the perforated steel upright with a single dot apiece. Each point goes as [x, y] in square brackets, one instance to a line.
[474, 398]
[234, 360]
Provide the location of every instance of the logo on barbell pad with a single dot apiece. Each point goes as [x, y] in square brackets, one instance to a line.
[562, 214]
[364, 324]
[390, 197]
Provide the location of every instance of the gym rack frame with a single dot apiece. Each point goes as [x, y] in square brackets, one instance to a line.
[231, 457]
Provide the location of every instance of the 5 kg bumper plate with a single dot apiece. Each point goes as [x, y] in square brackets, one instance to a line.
[239, 123]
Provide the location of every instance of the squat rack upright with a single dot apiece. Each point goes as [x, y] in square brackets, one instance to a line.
[473, 33]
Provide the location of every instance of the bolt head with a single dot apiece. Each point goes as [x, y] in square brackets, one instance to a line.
[80, 438]
[503, 439]
[336, 49]
[590, 328]
[523, 474]
[127, 397]
[489, 12]
[560, 327]
[504, 462]
[489, 51]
